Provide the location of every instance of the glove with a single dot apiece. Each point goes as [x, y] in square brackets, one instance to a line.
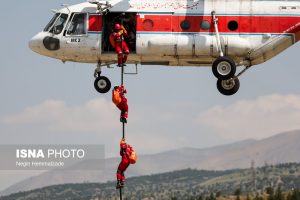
[123, 29]
[122, 141]
[123, 89]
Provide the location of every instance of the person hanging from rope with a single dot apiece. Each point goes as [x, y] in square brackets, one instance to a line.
[120, 45]
[120, 101]
[128, 157]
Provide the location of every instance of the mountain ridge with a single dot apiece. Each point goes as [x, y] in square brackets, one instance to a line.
[281, 148]
[183, 184]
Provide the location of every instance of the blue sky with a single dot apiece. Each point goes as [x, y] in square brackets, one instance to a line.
[44, 101]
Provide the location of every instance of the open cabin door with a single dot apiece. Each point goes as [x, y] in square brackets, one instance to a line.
[129, 22]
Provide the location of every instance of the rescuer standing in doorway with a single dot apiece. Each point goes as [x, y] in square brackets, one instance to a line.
[120, 44]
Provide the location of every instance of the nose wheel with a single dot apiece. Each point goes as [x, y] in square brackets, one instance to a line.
[102, 84]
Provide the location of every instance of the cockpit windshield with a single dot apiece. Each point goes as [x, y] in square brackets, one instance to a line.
[57, 23]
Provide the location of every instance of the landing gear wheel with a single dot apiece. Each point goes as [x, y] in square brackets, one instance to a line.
[102, 84]
[224, 68]
[228, 87]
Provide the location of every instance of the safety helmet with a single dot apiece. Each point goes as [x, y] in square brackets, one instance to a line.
[117, 26]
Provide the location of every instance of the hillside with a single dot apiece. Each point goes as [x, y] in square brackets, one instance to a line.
[182, 184]
[282, 148]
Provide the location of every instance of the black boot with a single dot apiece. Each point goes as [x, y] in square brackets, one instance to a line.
[123, 120]
[120, 184]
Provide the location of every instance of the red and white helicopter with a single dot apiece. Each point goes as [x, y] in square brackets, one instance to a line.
[223, 34]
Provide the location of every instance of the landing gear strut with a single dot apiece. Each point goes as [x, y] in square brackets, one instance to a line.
[102, 84]
[224, 68]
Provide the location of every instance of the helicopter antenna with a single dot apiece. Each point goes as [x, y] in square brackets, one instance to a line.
[66, 6]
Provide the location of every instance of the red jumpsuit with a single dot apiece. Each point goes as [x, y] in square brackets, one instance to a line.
[123, 105]
[125, 151]
[121, 46]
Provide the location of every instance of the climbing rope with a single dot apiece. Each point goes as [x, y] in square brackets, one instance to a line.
[123, 123]
[122, 83]
[120, 193]
[123, 136]
[122, 74]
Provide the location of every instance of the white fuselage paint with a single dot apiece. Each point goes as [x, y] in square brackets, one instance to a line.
[183, 48]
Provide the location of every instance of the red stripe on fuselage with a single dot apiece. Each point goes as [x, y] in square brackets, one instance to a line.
[297, 37]
[246, 24]
[295, 29]
[95, 23]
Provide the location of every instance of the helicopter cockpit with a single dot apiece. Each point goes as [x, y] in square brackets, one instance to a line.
[81, 33]
[75, 26]
[57, 23]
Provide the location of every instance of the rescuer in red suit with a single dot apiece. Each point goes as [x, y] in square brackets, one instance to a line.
[120, 101]
[120, 44]
[125, 151]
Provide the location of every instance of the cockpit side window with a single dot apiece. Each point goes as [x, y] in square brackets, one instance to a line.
[51, 22]
[57, 23]
[78, 24]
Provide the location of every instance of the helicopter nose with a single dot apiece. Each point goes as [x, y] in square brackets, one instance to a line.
[35, 43]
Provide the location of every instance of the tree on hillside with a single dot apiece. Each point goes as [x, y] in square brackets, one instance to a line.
[237, 193]
[257, 197]
[294, 195]
[248, 197]
[270, 192]
[211, 197]
[278, 194]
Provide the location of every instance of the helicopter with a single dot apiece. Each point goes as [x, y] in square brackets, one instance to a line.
[221, 34]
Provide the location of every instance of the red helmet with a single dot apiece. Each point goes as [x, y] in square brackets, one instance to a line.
[117, 26]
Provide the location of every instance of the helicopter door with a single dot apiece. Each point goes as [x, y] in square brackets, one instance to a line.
[129, 22]
[79, 43]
